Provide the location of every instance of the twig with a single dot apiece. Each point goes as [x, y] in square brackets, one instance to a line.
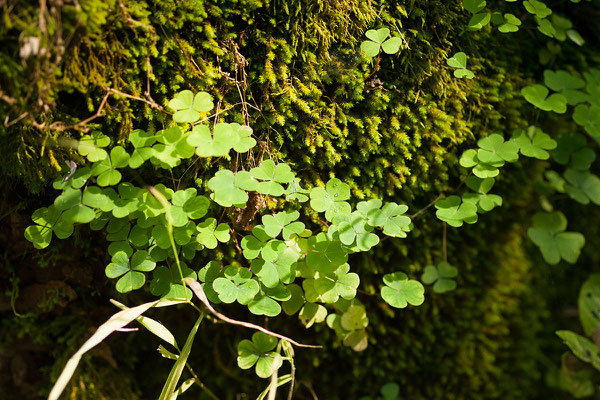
[199, 292]
[422, 210]
[148, 101]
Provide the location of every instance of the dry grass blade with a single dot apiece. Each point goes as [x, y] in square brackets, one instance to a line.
[199, 292]
[117, 321]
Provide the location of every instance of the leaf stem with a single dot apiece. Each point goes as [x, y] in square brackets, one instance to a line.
[376, 65]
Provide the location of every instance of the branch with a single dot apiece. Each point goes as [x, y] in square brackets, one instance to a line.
[199, 292]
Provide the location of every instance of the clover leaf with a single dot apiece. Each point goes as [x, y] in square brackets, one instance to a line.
[538, 96]
[562, 80]
[582, 186]
[47, 220]
[246, 141]
[107, 169]
[537, 8]
[484, 201]
[582, 347]
[90, 146]
[454, 213]
[331, 199]
[548, 233]
[353, 229]
[207, 275]
[399, 291]
[172, 146]
[283, 221]
[296, 301]
[573, 147]
[459, 60]
[188, 107]
[473, 6]
[477, 22]
[266, 301]
[493, 150]
[390, 217]
[225, 136]
[132, 278]
[236, 285]
[482, 170]
[378, 41]
[534, 143]
[142, 141]
[167, 283]
[510, 24]
[311, 314]
[442, 275]
[209, 233]
[325, 254]
[340, 283]
[295, 192]
[225, 191]
[589, 118]
[259, 352]
[271, 176]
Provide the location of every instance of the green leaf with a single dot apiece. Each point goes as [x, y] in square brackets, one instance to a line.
[441, 276]
[271, 176]
[225, 191]
[90, 146]
[379, 35]
[188, 107]
[546, 27]
[534, 143]
[495, 151]
[583, 348]
[39, 236]
[370, 48]
[223, 139]
[354, 318]
[295, 303]
[401, 291]
[331, 199]
[454, 213]
[511, 24]
[391, 219]
[589, 304]
[312, 314]
[589, 118]
[478, 21]
[246, 141]
[392, 45]
[209, 233]
[562, 80]
[259, 352]
[295, 192]
[459, 60]
[325, 254]
[537, 8]
[357, 340]
[573, 147]
[583, 186]
[548, 233]
[473, 6]
[538, 96]
[341, 283]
